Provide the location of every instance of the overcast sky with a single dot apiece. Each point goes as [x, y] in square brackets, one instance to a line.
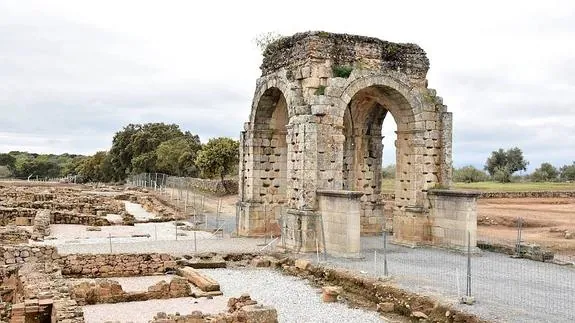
[72, 73]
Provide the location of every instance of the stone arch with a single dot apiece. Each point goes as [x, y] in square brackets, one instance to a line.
[264, 158]
[397, 91]
[263, 88]
[364, 103]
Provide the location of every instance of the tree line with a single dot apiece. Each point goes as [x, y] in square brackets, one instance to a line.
[136, 148]
[501, 166]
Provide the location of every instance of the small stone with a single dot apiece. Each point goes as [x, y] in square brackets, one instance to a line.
[330, 293]
[302, 264]
[419, 315]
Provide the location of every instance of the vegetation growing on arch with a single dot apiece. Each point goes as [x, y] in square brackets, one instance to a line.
[263, 40]
[342, 71]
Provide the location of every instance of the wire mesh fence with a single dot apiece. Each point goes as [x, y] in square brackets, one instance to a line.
[202, 210]
[503, 287]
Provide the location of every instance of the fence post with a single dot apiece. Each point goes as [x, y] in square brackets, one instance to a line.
[265, 224]
[468, 299]
[186, 203]
[385, 272]
[518, 244]
[110, 239]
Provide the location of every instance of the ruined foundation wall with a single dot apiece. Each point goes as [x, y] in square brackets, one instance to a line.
[20, 254]
[115, 265]
[14, 235]
[41, 225]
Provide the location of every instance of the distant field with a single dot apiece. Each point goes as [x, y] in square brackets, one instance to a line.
[388, 186]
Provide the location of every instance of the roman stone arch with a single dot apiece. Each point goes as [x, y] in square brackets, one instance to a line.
[311, 153]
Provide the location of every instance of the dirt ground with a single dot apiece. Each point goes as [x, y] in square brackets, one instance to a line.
[549, 222]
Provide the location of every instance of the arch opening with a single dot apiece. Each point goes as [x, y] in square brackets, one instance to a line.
[364, 145]
[270, 158]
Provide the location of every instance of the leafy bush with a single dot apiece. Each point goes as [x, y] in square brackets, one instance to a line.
[4, 172]
[502, 175]
[545, 173]
[469, 174]
[567, 172]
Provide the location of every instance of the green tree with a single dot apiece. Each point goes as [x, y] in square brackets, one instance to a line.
[96, 168]
[502, 164]
[218, 157]
[469, 174]
[7, 160]
[133, 147]
[545, 173]
[176, 156]
[5, 172]
[144, 163]
[567, 172]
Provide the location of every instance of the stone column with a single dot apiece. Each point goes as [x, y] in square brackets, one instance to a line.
[446, 151]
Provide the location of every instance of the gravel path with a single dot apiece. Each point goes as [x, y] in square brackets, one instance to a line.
[143, 312]
[293, 298]
[138, 211]
[505, 289]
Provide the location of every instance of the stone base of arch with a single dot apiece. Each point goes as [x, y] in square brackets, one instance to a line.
[412, 227]
[372, 218]
[256, 219]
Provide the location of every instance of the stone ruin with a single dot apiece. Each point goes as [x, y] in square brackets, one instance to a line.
[311, 152]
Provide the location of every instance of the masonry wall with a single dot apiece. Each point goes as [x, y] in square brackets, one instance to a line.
[214, 186]
[115, 265]
[20, 254]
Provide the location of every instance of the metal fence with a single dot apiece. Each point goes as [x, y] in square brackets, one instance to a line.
[202, 210]
[503, 286]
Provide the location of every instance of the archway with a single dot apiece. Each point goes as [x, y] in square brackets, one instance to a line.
[363, 151]
[266, 186]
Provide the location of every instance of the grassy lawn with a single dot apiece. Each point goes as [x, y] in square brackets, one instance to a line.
[388, 186]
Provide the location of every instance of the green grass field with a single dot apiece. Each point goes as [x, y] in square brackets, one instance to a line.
[388, 186]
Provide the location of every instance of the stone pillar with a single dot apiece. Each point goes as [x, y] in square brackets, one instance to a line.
[453, 216]
[301, 230]
[446, 152]
[340, 212]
